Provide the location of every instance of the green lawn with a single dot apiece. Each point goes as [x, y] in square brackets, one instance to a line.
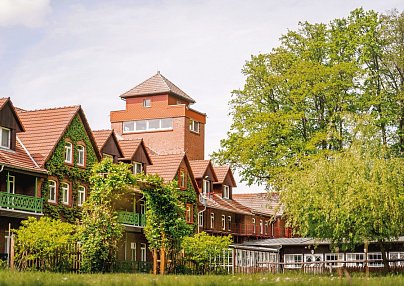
[38, 278]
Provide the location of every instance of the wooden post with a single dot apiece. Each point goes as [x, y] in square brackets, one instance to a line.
[162, 254]
[155, 261]
[366, 259]
[12, 253]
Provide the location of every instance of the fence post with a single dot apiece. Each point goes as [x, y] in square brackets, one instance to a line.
[12, 253]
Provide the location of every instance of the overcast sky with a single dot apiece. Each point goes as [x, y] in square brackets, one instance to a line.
[69, 52]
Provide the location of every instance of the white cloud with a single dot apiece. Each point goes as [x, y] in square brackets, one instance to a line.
[29, 13]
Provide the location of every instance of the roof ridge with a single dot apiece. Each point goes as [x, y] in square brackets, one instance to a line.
[50, 108]
[102, 130]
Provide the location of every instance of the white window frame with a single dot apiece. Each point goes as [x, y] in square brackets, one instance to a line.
[212, 220]
[133, 251]
[223, 222]
[81, 151]
[147, 102]
[396, 255]
[229, 223]
[372, 256]
[253, 223]
[205, 186]
[182, 179]
[266, 227]
[200, 219]
[65, 193]
[52, 190]
[355, 257]
[137, 167]
[11, 184]
[143, 252]
[130, 126]
[81, 195]
[194, 126]
[226, 192]
[189, 213]
[290, 259]
[1, 137]
[332, 259]
[261, 227]
[68, 152]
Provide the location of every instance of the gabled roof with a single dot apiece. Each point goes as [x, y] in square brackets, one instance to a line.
[199, 168]
[222, 172]
[101, 137]
[262, 203]
[6, 100]
[157, 84]
[45, 127]
[129, 148]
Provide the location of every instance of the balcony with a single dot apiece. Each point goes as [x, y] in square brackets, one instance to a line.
[131, 218]
[21, 202]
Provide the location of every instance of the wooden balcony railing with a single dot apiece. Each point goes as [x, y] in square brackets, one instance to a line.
[21, 202]
[131, 218]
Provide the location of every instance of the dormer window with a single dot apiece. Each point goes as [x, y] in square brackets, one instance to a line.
[206, 187]
[137, 168]
[5, 137]
[80, 155]
[68, 153]
[147, 102]
[194, 126]
[226, 192]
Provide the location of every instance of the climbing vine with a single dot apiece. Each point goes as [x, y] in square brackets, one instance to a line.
[188, 196]
[72, 173]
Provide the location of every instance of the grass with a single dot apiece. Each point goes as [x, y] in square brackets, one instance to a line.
[41, 278]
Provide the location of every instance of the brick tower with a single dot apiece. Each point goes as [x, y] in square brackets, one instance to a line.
[160, 113]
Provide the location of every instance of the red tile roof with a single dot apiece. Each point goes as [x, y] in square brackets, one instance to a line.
[3, 100]
[101, 136]
[264, 203]
[222, 172]
[199, 168]
[19, 159]
[129, 147]
[215, 201]
[157, 84]
[45, 127]
[166, 166]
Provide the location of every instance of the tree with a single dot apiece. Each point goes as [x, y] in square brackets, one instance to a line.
[298, 99]
[100, 230]
[202, 248]
[38, 241]
[165, 224]
[349, 198]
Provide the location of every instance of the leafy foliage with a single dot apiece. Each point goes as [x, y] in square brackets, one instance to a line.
[100, 230]
[76, 175]
[202, 248]
[39, 240]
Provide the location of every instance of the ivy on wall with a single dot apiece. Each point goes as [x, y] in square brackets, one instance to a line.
[72, 174]
[188, 196]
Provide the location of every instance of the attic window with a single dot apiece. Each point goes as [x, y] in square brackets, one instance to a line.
[194, 126]
[5, 137]
[226, 192]
[182, 179]
[147, 102]
[68, 153]
[137, 167]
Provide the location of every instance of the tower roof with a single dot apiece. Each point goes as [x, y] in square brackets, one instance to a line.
[157, 84]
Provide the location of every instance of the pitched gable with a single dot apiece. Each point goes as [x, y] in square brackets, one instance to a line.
[107, 142]
[201, 168]
[9, 117]
[224, 176]
[135, 150]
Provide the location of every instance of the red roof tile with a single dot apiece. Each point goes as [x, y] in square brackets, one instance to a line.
[129, 147]
[101, 136]
[215, 201]
[199, 168]
[222, 172]
[19, 159]
[3, 100]
[157, 84]
[166, 166]
[264, 203]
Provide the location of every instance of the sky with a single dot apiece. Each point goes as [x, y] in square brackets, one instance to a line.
[70, 52]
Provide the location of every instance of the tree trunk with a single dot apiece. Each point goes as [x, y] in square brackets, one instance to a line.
[155, 261]
[366, 258]
[386, 266]
[162, 254]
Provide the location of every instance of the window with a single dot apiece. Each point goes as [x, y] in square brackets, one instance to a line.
[65, 193]
[68, 153]
[212, 220]
[375, 259]
[80, 155]
[11, 184]
[182, 179]
[396, 256]
[261, 227]
[332, 258]
[143, 253]
[52, 191]
[206, 187]
[200, 219]
[293, 260]
[229, 223]
[133, 251]
[147, 102]
[266, 227]
[194, 126]
[253, 225]
[148, 125]
[137, 167]
[189, 213]
[81, 196]
[226, 192]
[223, 222]
[357, 257]
[142, 208]
[5, 137]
